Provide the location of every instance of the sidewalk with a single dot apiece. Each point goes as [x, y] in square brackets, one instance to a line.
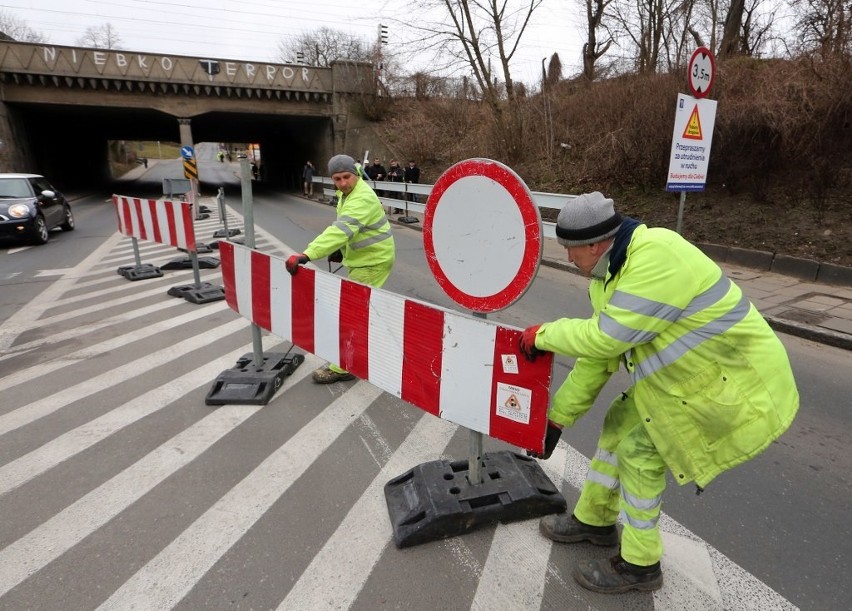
[817, 311]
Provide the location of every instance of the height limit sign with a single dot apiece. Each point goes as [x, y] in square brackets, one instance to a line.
[693, 128]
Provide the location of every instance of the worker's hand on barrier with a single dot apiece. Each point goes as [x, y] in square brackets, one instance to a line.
[551, 438]
[526, 343]
[295, 261]
[336, 256]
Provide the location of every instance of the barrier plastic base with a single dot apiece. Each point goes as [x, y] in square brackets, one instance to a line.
[186, 263]
[140, 272]
[435, 500]
[221, 233]
[245, 384]
[408, 219]
[203, 293]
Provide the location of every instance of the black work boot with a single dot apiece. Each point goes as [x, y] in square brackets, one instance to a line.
[565, 528]
[616, 575]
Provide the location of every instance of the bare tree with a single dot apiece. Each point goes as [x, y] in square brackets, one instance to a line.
[644, 24]
[17, 29]
[824, 26]
[101, 37]
[593, 49]
[467, 35]
[322, 46]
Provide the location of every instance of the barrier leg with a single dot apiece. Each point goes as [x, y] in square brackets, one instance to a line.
[139, 271]
[257, 376]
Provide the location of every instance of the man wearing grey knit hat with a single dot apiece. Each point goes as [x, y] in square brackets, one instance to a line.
[590, 221]
[360, 238]
[711, 386]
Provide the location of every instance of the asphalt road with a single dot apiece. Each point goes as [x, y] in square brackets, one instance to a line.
[120, 488]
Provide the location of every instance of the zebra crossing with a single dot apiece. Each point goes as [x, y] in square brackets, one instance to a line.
[121, 489]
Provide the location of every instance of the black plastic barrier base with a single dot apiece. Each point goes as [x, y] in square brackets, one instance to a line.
[221, 233]
[140, 272]
[435, 500]
[408, 219]
[245, 384]
[203, 293]
[186, 263]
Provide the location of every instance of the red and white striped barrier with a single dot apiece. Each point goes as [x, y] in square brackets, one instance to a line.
[163, 221]
[463, 369]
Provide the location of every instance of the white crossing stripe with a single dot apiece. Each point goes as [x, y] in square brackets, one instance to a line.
[338, 571]
[158, 585]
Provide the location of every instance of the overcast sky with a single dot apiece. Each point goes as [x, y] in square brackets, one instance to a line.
[250, 30]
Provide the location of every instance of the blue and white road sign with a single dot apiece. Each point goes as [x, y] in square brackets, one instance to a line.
[186, 152]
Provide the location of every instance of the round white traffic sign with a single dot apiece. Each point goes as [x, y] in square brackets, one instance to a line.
[482, 235]
[702, 71]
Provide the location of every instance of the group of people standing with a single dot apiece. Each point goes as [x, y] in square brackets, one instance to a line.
[375, 171]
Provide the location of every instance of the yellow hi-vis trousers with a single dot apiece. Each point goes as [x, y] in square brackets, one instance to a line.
[375, 276]
[626, 477]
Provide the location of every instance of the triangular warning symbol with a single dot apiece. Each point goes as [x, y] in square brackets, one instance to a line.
[512, 402]
[693, 126]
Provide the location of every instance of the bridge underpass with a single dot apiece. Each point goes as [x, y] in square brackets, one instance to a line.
[70, 143]
[61, 105]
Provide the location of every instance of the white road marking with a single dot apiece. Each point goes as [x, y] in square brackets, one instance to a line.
[43, 407]
[167, 578]
[339, 570]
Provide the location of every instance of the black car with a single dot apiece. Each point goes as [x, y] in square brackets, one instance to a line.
[30, 207]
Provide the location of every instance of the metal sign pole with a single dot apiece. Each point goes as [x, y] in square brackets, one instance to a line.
[136, 254]
[680, 210]
[248, 218]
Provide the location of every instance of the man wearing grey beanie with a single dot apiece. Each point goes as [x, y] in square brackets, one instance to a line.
[360, 238]
[711, 385]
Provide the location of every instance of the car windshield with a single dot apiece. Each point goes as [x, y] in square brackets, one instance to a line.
[14, 187]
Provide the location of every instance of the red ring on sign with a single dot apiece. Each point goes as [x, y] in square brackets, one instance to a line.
[519, 192]
[695, 92]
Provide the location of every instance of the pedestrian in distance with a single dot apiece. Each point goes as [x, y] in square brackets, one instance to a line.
[711, 385]
[362, 234]
[396, 174]
[308, 179]
[411, 175]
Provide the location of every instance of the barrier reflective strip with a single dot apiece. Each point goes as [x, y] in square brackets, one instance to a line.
[226, 259]
[140, 219]
[386, 324]
[468, 355]
[422, 356]
[280, 290]
[186, 229]
[326, 316]
[354, 324]
[260, 289]
[302, 299]
[154, 212]
[460, 368]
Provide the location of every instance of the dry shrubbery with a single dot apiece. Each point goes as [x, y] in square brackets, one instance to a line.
[782, 149]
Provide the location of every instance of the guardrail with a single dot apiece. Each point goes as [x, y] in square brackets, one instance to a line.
[553, 201]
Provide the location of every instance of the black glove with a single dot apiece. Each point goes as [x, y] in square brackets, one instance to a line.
[336, 256]
[292, 264]
[551, 438]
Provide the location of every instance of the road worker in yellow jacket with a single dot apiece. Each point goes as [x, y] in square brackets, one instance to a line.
[360, 238]
[711, 383]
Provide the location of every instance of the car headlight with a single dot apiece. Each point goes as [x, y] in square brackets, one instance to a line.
[19, 211]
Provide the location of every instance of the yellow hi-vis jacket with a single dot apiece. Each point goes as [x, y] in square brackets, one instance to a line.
[711, 381]
[361, 231]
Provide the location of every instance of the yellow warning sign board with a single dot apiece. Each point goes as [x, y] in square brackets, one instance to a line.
[693, 126]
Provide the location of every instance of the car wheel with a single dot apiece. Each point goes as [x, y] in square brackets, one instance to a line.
[40, 230]
[68, 225]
